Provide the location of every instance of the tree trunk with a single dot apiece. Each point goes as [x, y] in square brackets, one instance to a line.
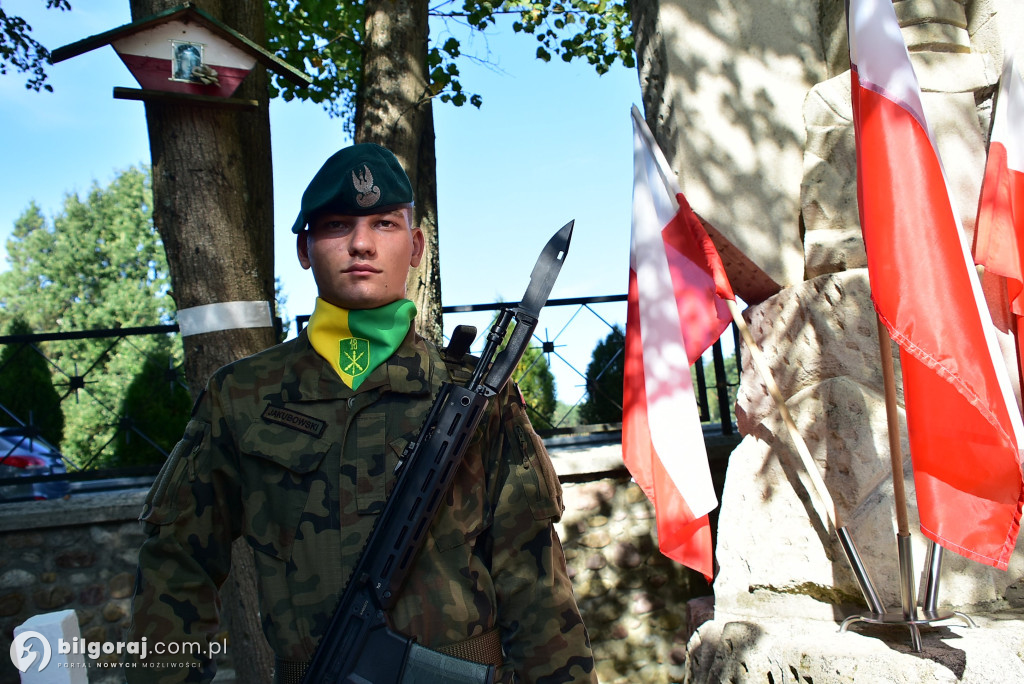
[393, 108]
[213, 208]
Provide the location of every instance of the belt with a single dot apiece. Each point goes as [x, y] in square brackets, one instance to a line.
[484, 649]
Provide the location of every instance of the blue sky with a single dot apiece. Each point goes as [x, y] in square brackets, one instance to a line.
[552, 142]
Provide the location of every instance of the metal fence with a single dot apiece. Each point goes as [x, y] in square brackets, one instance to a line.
[572, 329]
[569, 331]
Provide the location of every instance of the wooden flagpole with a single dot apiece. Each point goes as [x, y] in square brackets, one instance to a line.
[909, 616]
[817, 483]
[899, 492]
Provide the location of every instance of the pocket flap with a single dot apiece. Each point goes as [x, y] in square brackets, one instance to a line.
[533, 469]
[288, 438]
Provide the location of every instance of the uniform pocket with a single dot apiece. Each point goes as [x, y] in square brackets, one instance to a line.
[533, 469]
[279, 468]
[164, 501]
[463, 514]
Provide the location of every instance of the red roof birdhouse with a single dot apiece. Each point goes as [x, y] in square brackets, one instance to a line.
[183, 53]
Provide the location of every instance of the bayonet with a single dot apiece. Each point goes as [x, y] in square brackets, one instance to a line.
[542, 279]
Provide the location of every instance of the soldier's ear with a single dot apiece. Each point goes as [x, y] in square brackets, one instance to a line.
[418, 244]
[302, 249]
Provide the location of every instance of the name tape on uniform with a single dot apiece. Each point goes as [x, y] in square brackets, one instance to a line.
[224, 316]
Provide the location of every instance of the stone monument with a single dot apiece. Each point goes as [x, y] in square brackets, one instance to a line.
[751, 103]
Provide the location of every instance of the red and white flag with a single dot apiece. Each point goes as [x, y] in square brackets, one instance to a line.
[1000, 231]
[962, 419]
[676, 310]
[999, 235]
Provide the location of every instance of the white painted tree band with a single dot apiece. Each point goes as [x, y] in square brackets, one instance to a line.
[224, 316]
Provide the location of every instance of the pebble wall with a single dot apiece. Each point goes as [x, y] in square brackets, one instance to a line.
[633, 599]
[76, 554]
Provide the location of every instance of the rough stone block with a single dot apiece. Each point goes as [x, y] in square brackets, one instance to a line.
[736, 144]
[39, 658]
[775, 552]
[785, 650]
[122, 585]
[823, 328]
[11, 603]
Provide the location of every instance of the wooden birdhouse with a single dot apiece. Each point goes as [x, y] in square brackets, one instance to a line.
[184, 54]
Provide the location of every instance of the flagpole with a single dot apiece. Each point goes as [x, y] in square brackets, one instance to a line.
[909, 617]
[899, 493]
[817, 483]
[860, 571]
[1015, 329]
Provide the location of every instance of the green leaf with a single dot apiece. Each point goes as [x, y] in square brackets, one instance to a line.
[451, 46]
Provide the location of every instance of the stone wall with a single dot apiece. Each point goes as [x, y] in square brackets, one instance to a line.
[632, 598]
[76, 554]
[81, 553]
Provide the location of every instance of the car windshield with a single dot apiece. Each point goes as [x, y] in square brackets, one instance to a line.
[20, 441]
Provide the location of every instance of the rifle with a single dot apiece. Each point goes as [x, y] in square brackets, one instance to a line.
[359, 646]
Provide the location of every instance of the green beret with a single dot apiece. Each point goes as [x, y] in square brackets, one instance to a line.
[356, 181]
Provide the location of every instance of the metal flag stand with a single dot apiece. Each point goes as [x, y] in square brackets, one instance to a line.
[909, 615]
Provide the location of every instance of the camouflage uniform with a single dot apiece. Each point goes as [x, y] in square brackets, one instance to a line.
[281, 452]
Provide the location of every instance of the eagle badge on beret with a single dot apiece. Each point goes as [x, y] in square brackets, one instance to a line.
[367, 194]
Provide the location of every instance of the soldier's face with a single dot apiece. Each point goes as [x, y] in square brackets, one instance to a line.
[361, 262]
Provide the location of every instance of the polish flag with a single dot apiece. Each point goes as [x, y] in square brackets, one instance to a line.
[999, 236]
[962, 419]
[675, 311]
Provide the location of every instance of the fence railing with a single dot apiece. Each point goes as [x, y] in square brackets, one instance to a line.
[569, 331]
[574, 354]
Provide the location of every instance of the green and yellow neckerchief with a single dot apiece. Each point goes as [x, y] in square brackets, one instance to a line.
[356, 342]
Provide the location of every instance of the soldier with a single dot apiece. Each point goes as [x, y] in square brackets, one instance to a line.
[294, 449]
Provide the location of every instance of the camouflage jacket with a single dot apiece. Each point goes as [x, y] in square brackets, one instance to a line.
[281, 452]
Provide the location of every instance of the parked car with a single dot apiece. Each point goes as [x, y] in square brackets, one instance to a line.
[24, 454]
